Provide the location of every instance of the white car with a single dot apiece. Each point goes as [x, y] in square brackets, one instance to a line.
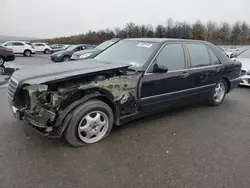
[244, 58]
[42, 47]
[20, 47]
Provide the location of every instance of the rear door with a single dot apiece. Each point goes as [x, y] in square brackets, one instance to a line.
[18, 47]
[205, 68]
[166, 89]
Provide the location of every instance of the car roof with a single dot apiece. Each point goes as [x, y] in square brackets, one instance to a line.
[161, 40]
[16, 41]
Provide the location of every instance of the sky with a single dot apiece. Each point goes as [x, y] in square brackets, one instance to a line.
[55, 18]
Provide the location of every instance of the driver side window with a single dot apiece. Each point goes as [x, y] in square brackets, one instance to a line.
[171, 56]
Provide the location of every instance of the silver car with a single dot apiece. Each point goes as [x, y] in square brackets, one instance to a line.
[244, 58]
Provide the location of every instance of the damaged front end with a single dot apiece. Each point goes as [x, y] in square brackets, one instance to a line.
[46, 106]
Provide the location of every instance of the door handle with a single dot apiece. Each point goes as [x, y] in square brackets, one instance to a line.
[185, 74]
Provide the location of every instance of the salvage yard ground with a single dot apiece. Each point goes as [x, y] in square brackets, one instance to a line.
[195, 146]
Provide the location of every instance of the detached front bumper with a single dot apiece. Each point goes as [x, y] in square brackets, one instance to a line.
[245, 80]
[39, 122]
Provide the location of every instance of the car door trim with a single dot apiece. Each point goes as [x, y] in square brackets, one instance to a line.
[210, 66]
[175, 92]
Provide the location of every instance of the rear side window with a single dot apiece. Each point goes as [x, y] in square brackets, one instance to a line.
[215, 60]
[38, 44]
[172, 56]
[199, 55]
[28, 43]
[17, 44]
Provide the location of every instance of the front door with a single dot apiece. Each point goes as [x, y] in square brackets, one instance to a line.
[161, 89]
[10, 45]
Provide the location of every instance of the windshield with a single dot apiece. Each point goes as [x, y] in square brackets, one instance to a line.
[132, 52]
[70, 48]
[105, 45]
[245, 54]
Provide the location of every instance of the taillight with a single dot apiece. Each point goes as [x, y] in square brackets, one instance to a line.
[10, 51]
[32, 47]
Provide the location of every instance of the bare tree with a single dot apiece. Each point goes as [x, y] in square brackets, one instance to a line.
[129, 28]
[236, 33]
[160, 31]
[244, 33]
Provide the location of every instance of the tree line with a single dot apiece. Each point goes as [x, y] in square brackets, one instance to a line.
[218, 33]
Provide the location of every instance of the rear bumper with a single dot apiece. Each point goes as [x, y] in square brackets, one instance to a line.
[10, 58]
[234, 83]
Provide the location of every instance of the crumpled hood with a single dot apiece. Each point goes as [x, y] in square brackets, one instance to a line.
[52, 72]
[245, 63]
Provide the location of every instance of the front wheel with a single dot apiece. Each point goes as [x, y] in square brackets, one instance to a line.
[90, 123]
[218, 94]
[66, 58]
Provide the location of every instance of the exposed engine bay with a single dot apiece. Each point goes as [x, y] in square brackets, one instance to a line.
[41, 103]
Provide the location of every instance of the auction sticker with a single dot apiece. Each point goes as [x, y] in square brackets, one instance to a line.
[144, 45]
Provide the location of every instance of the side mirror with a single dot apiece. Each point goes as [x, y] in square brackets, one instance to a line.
[160, 68]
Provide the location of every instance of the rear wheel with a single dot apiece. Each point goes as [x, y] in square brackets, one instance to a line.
[1, 61]
[27, 53]
[91, 122]
[218, 94]
[46, 51]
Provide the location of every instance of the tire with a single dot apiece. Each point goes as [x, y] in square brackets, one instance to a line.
[66, 59]
[46, 51]
[86, 127]
[2, 61]
[218, 94]
[27, 53]
[2, 70]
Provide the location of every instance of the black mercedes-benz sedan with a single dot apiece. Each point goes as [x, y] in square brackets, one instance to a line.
[131, 79]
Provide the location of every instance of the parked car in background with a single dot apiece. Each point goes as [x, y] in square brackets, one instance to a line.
[20, 47]
[54, 50]
[131, 79]
[84, 54]
[55, 46]
[64, 55]
[244, 58]
[6, 54]
[42, 47]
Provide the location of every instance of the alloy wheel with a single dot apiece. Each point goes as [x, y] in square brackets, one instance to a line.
[2, 70]
[93, 127]
[1, 61]
[27, 53]
[220, 91]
